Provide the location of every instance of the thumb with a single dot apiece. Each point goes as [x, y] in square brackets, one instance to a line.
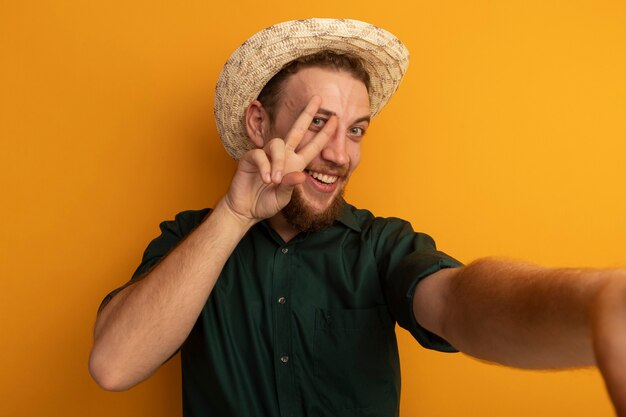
[289, 181]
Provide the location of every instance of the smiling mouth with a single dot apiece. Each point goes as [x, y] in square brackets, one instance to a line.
[323, 178]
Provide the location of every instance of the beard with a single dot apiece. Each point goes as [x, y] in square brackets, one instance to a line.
[300, 215]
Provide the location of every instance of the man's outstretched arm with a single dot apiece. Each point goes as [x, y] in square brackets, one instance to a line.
[531, 317]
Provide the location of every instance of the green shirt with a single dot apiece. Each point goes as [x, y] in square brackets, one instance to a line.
[304, 328]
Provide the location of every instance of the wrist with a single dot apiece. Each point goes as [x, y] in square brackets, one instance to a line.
[225, 211]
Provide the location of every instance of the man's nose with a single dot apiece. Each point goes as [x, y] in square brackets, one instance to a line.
[335, 149]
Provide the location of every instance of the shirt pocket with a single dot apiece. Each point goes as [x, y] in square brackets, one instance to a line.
[356, 360]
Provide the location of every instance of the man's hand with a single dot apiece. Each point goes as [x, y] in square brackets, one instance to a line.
[266, 177]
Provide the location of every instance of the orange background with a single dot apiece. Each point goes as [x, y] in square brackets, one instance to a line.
[507, 137]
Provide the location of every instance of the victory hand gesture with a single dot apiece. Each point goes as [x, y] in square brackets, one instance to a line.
[266, 177]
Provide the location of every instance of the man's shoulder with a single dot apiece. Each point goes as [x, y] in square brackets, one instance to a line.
[193, 214]
[185, 221]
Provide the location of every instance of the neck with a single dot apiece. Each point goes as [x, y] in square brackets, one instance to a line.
[282, 227]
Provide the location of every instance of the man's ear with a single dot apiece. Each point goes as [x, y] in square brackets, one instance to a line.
[257, 123]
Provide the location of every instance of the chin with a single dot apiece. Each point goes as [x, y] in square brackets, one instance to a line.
[316, 207]
[307, 215]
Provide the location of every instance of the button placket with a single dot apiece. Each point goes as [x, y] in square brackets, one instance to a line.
[282, 280]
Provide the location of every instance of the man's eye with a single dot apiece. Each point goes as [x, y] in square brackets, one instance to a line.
[357, 131]
[318, 122]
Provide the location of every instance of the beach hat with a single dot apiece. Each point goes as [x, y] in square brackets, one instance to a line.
[259, 58]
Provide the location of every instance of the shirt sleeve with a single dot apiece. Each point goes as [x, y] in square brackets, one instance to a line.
[405, 258]
[172, 233]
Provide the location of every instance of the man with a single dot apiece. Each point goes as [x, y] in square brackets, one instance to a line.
[283, 299]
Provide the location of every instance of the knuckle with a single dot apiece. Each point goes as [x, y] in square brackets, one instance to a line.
[251, 155]
[275, 142]
[275, 146]
[257, 153]
[259, 156]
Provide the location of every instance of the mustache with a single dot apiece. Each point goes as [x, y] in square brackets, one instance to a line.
[330, 169]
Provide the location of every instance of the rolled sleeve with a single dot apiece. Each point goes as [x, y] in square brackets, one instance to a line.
[401, 288]
[172, 233]
[406, 257]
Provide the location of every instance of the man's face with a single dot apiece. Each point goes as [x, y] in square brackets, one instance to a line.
[316, 202]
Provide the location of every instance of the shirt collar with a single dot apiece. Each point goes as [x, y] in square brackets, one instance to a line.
[348, 218]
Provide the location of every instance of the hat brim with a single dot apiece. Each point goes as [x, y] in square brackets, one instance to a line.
[258, 59]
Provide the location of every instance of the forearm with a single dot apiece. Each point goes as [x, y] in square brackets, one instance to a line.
[532, 317]
[148, 321]
[521, 315]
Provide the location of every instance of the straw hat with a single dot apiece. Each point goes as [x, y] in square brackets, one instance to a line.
[255, 62]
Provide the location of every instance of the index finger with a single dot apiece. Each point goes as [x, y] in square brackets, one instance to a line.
[302, 123]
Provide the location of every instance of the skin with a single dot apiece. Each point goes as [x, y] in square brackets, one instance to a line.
[532, 317]
[499, 311]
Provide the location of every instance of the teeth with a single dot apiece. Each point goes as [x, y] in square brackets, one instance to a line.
[327, 179]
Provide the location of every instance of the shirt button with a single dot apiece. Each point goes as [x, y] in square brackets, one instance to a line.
[284, 250]
[284, 359]
[282, 300]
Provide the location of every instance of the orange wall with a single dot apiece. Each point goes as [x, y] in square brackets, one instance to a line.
[508, 137]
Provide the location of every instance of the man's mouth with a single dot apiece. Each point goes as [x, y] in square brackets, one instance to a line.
[323, 178]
